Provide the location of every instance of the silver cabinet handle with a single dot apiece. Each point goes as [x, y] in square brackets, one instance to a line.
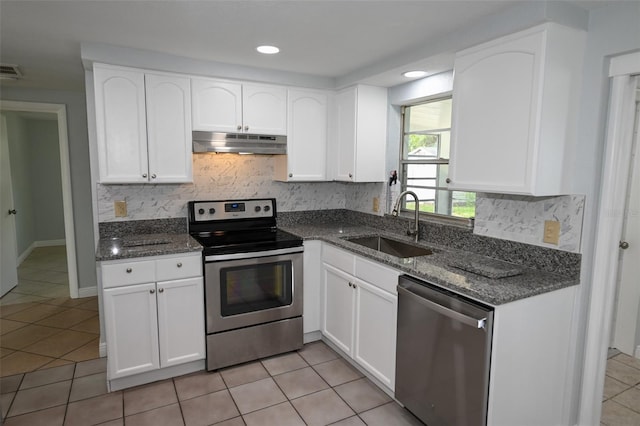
[624, 245]
[13, 211]
[354, 285]
[152, 291]
[246, 128]
[350, 175]
[290, 175]
[129, 270]
[239, 127]
[448, 180]
[161, 290]
[144, 175]
[179, 265]
[153, 176]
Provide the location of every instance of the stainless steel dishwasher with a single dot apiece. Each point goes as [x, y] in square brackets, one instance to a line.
[443, 355]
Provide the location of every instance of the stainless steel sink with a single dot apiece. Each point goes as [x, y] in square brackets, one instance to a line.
[392, 247]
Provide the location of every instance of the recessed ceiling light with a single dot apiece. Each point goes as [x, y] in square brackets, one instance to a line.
[413, 74]
[267, 50]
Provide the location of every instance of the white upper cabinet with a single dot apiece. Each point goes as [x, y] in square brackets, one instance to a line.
[225, 106]
[360, 121]
[169, 128]
[143, 124]
[514, 112]
[307, 113]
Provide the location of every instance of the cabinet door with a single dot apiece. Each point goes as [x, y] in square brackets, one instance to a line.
[375, 331]
[132, 329]
[120, 124]
[337, 311]
[264, 109]
[216, 105]
[345, 118]
[169, 128]
[494, 116]
[306, 138]
[181, 321]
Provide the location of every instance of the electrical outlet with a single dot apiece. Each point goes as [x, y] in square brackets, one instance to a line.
[120, 208]
[551, 232]
[376, 204]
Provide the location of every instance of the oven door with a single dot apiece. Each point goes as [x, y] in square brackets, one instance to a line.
[245, 289]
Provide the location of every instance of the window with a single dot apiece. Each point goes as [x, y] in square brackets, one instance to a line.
[425, 161]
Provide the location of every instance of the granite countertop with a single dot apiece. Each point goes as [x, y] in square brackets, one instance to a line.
[143, 245]
[446, 267]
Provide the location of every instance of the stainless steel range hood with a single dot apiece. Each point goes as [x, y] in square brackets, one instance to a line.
[242, 143]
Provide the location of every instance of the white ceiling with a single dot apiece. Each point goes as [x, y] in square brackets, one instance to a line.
[330, 39]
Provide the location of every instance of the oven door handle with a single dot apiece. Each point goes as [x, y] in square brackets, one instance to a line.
[253, 254]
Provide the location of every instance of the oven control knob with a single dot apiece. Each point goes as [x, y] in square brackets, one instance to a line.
[212, 210]
[201, 211]
[267, 208]
[257, 209]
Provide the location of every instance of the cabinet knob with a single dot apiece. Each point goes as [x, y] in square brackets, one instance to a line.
[350, 175]
[290, 175]
[624, 245]
[153, 176]
[179, 265]
[129, 270]
[354, 285]
[448, 180]
[13, 211]
[239, 127]
[152, 291]
[144, 175]
[161, 290]
[246, 128]
[350, 284]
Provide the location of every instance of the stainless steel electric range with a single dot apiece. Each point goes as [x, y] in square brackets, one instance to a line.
[252, 279]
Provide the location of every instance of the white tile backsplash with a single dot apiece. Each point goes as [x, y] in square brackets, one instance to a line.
[520, 218]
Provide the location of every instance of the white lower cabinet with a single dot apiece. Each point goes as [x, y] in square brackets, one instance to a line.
[359, 316]
[154, 324]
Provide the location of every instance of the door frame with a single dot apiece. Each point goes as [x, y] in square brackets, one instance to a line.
[65, 174]
[613, 190]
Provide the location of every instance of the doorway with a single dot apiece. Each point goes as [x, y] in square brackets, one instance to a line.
[60, 116]
[626, 326]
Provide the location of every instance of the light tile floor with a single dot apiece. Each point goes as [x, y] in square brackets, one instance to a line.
[313, 386]
[40, 326]
[621, 397]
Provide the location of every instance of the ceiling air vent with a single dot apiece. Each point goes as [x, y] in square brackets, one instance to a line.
[9, 71]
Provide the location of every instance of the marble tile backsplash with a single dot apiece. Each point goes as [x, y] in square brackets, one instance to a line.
[521, 219]
[229, 176]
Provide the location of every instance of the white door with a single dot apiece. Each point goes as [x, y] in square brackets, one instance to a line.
[307, 136]
[338, 298]
[8, 245]
[375, 335]
[181, 321]
[344, 154]
[264, 109]
[168, 100]
[121, 125]
[627, 323]
[216, 105]
[131, 327]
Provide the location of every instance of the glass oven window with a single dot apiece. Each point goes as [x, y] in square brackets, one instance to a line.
[252, 288]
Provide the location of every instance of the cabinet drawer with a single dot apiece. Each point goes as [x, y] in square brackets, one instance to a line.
[376, 274]
[127, 273]
[179, 267]
[338, 258]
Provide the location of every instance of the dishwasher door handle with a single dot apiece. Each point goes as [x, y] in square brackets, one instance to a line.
[473, 322]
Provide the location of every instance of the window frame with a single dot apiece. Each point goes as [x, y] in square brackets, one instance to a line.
[433, 217]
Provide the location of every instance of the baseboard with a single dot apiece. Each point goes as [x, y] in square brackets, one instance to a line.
[36, 244]
[88, 291]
